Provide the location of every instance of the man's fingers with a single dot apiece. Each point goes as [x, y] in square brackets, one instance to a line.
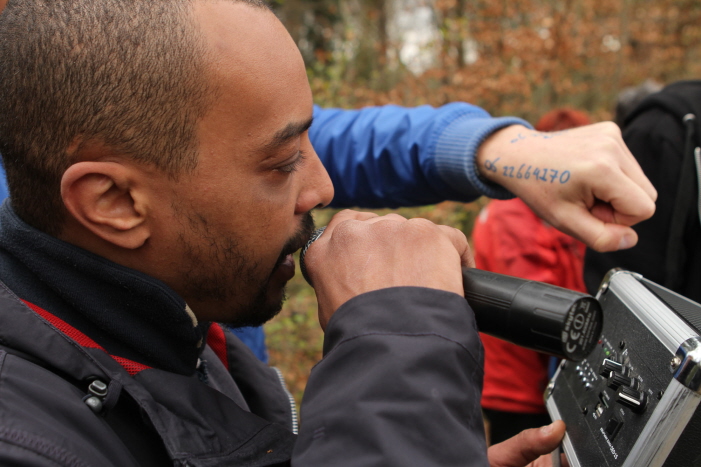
[349, 219]
[461, 245]
[621, 155]
[342, 217]
[631, 167]
[618, 203]
[348, 214]
[630, 201]
[636, 174]
[605, 225]
[526, 446]
[457, 237]
[361, 252]
[598, 234]
[604, 217]
[622, 182]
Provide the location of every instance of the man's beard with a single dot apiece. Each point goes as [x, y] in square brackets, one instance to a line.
[220, 269]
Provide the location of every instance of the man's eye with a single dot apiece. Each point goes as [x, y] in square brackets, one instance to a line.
[294, 165]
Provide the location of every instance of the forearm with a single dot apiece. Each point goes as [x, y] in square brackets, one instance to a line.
[399, 384]
[393, 156]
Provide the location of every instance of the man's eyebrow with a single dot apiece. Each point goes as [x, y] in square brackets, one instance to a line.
[292, 130]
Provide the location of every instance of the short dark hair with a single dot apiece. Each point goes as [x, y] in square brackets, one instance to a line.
[129, 74]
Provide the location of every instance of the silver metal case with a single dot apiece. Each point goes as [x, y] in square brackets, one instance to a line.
[634, 401]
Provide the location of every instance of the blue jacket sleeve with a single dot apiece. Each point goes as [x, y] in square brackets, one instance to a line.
[4, 191]
[393, 156]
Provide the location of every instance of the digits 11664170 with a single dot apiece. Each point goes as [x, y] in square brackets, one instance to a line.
[528, 172]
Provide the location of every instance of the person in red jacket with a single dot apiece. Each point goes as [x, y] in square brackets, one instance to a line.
[509, 238]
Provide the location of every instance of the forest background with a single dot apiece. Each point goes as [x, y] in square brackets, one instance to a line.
[510, 57]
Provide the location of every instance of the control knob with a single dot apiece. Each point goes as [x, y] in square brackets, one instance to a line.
[616, 380]
[610, 366]
[634, 400]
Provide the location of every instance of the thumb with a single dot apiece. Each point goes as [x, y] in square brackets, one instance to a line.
[527, 446]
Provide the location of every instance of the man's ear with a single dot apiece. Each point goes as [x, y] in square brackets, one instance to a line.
[104, 198]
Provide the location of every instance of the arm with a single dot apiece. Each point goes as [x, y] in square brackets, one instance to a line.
[399, 384]
[588, 183]
[400, 380]
[393, 156]
[390, 156]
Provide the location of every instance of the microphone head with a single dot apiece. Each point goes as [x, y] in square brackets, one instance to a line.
[315, 235]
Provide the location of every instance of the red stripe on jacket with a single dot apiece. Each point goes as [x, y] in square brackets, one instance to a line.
[216, 339]
[81, 339]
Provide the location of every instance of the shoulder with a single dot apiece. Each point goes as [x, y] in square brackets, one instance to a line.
[652, 129]
[46, 422]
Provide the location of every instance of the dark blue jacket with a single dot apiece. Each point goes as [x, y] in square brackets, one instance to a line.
[101, 365]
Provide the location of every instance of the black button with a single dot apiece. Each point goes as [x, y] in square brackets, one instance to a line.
[634, 400]
[616, 379]
[609, 366]
[613, 426]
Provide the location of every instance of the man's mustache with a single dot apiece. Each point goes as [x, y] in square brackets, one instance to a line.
[300, 238]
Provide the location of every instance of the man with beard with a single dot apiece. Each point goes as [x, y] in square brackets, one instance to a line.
[391, 156]
[161, 175]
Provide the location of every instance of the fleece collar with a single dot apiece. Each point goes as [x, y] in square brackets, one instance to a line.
[129, 313]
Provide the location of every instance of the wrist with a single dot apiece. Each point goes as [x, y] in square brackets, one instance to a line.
[525, 161]
[498, 150]
[455, 156]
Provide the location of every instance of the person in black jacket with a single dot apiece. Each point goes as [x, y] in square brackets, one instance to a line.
[668, 251]
[161, 176]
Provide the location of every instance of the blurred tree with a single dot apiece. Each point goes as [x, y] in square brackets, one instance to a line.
[511, 56]
[314, 24]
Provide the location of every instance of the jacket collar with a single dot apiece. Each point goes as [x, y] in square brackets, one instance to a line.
[130, 314]
[199, 425]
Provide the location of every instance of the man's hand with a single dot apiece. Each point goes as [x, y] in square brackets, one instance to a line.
[360, 252]
[583, 181]
[530, 448]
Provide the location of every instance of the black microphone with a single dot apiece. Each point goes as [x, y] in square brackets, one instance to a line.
[528, 313]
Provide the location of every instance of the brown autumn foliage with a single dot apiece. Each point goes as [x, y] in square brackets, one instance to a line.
[527, 57]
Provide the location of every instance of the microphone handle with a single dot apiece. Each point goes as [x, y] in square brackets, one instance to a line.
[531, 314]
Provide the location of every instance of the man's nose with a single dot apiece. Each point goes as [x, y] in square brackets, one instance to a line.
[318, 189]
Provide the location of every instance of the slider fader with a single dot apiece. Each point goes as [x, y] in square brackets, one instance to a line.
[634, 400]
